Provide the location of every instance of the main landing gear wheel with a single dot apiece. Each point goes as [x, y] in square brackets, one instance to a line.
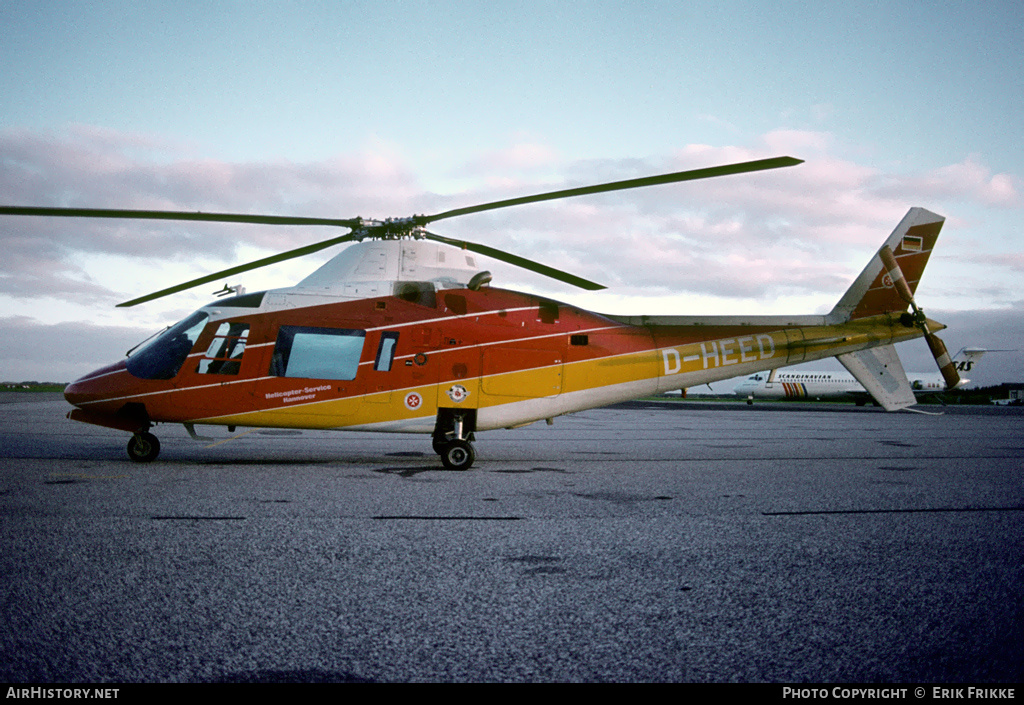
[143, 447]
[457, 455]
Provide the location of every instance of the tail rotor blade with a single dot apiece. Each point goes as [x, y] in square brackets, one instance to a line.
[935, 344]
[896, 275]
[941, 355]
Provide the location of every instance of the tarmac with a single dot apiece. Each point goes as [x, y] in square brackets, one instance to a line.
[659, 541]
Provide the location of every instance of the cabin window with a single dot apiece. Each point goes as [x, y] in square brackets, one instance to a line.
[317, 353]
[224, 354]
[164, 356]
[386, 352]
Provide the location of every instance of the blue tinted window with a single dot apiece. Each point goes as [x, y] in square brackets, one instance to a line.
[162, 358]
[386, 352]
[317, 353]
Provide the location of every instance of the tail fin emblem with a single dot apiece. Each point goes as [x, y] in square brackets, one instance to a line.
[912, 243]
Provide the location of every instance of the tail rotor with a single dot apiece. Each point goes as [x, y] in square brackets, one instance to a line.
[935, 344]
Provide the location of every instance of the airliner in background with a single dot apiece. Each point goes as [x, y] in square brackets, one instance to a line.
[810, 384]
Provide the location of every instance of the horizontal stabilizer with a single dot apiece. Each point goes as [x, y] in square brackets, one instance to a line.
[880, 371]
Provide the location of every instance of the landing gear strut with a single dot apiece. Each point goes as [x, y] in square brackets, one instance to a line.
[143, 447]
[453, 437]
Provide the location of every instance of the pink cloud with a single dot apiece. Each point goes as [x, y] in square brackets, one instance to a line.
[522, 156]
[965, 181]
[719, 235]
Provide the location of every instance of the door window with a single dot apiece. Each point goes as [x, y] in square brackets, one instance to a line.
[386, 352]
[317, 353]
[224, 354]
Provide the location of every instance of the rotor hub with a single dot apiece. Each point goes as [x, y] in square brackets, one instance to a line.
[390, 229]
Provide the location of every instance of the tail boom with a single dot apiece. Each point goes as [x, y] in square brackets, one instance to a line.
[695, 354]
[860, 331]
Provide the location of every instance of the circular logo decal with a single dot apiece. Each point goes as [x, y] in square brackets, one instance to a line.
[413, 400]
[887, 281]
[458, 393]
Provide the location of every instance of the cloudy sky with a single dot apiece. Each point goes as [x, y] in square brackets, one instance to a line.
[380, 109]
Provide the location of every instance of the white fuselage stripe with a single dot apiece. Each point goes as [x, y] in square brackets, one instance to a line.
[367, 362]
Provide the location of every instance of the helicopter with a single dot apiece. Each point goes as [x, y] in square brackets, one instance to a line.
[402, 332]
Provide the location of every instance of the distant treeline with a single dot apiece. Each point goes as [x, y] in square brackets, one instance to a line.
[32, 386]
[975, 395]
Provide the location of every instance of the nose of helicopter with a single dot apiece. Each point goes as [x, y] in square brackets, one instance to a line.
[92, 387]
[99, 398]
[77, 392]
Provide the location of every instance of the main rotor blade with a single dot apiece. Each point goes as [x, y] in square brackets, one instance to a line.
[692, 175]
[388, 228]
[202, 217]
[177, 215]
[273, 259]
[518, 261]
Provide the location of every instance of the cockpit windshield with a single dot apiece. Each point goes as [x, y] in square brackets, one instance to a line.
[164, 356]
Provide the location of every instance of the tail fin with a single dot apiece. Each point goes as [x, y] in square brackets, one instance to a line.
[968, 357]
[873, 292]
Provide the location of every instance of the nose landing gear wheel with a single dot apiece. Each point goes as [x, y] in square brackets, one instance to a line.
[457, 455]
[143, 447]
